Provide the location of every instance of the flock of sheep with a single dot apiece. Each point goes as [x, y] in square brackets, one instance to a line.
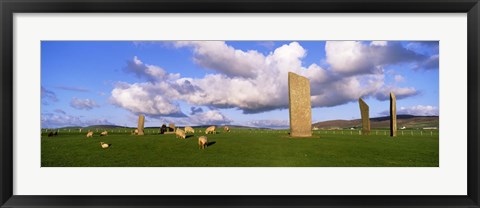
[202, 140]
[179, 133]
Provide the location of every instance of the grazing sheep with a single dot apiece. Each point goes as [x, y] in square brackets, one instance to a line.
[50, 134]
[202, 142]
[90, 134]
[226, 129]
[104, 133]
[189, 129]
[210, 129]
[200, 130]
[105, 145]
[180, 133]
[135, 132]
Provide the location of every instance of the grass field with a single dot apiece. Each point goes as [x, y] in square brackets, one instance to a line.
[243, 148]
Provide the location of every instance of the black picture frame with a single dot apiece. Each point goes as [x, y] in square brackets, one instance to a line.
[9, 7]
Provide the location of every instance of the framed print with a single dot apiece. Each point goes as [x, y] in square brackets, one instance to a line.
[247, 104]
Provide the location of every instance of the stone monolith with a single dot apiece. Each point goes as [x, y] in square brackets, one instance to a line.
[141, 123]
[364, 112]
[393, 115]
[299, 106]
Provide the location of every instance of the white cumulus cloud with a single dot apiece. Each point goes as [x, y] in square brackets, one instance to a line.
[61, 119]
[219, 56]
[212, 117]
[147, 98]
[417, 110]
[253, 82]
[399, 78]
[83, 104]
[355, 57]
[269, 123]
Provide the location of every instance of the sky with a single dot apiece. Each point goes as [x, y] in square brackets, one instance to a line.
[231, 82]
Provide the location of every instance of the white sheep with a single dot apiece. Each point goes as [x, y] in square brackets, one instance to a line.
[105, 145]
[179, 133]
[189, 129]
[210, 129]
[90, 134]
[202, 142]
[226, 129]
[104, 133]
[135, 132]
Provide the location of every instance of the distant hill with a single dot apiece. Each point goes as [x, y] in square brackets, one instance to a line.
[105, 126]
[218, 126]
[408, 121]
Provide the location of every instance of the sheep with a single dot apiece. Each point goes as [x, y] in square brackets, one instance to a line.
[135, 132]
[226, 129]
[104, 133]
[189, 129]
[179, 133]
[210, 129]
[90, 134]
[105, 145]
[50, 134]
[56, 133]
[202, 142]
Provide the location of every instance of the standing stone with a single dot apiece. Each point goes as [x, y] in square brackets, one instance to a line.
[141, 122]
[171, 126]
[364, 111]
[393, 115]
[299, 106]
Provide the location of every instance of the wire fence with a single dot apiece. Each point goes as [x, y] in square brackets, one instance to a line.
[151, 131]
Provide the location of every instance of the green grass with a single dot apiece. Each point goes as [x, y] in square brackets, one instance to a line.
[243, 148]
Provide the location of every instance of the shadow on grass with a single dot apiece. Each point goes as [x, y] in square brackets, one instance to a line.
[211, 143]
[188, 136]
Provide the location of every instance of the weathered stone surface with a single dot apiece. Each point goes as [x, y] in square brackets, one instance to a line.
[299, 106]
[393, 115]
[141, 123]
[364, 111]
[171, 127]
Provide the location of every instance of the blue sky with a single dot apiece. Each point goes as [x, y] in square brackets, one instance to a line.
[231, 82]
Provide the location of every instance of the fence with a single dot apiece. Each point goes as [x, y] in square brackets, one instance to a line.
[381, 132]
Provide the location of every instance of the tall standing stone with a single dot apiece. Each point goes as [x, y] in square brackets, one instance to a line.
[364, 111]
[171, 127]
[141, 122]
[393, 115]
[299, 106]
